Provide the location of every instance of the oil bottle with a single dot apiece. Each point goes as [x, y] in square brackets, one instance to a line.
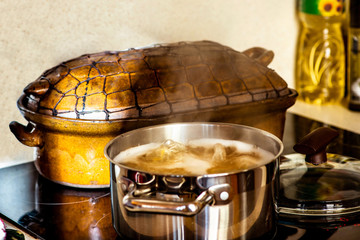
[320, 60]
[353, 84]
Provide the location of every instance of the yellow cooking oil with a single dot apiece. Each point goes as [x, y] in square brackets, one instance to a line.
[320, 60]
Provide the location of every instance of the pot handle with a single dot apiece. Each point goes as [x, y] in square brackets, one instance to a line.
[314, 144]
[218, 194]
[261, 55]
[28, 135]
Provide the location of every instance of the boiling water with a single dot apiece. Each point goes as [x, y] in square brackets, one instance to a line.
[197, 157]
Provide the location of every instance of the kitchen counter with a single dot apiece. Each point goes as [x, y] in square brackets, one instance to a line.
[335, 115]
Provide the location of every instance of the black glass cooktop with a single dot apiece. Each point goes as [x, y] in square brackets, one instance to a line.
[50, 211]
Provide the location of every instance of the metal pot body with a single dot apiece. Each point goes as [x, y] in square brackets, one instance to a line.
[232, 205]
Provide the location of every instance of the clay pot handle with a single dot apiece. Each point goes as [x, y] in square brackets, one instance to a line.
[314, 144]
[27, 135]
[261, 55]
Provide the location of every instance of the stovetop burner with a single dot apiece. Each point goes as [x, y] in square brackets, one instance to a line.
[50, 211]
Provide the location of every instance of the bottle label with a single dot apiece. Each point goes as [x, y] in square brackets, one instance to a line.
[326, 8]
[354, 67]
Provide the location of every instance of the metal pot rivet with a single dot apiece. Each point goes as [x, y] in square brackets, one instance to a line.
[224, 196]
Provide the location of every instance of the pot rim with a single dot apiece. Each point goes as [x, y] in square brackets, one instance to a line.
[27, 112]
[263, 132]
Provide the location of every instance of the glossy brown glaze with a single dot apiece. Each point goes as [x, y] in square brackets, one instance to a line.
[75, 108]
[154, 81]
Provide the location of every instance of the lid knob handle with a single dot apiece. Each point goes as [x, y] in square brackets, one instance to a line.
[314, 144]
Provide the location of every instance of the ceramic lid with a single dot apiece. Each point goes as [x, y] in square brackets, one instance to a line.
[155, 81]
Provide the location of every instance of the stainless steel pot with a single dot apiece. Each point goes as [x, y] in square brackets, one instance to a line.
[232, 205]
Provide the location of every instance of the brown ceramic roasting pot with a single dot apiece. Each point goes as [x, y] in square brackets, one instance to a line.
[75, 108]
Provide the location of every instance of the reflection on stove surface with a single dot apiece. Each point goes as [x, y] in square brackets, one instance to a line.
[53, 211]
[66, 213]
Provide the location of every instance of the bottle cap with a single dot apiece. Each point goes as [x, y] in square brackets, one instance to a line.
[354, 13]
[326, 8]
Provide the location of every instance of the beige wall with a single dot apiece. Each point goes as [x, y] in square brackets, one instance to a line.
[38, 34]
